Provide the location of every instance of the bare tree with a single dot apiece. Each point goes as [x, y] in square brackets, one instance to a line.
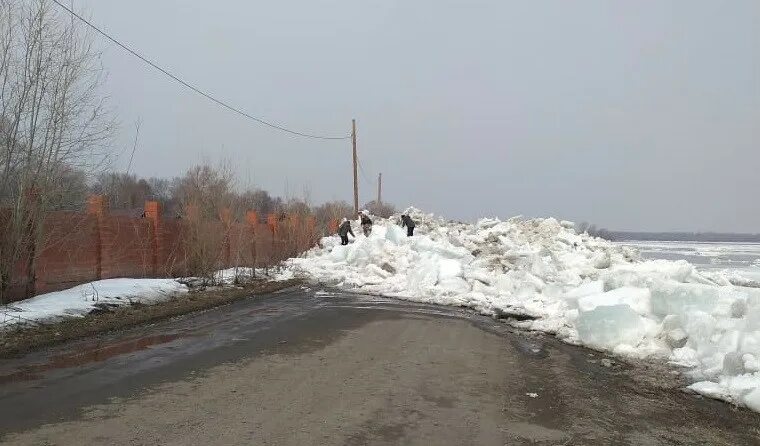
[205, 192]
[124, 191]
[383, 210]
[333, 210]
[160, 189]
[297, 207]
[258, 200]
[207, 188]
[69, 189]
[53, 121]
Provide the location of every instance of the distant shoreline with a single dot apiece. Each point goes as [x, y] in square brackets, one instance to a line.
[622, 236]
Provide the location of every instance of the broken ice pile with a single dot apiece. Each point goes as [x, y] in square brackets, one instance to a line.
[548, 277]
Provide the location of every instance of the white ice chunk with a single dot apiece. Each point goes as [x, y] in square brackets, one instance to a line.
[606, 327]
[636, 298]
[752, 399]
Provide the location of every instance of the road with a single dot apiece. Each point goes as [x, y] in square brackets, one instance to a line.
[305, 367]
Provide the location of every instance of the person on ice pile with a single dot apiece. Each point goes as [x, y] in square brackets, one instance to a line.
[366, 223]
[343, 230]
[406, 221]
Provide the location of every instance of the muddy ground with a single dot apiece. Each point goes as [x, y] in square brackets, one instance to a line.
[306, 367]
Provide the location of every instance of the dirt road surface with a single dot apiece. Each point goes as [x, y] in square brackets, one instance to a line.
[300, 367]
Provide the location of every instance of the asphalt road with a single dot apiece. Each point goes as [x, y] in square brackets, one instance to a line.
[304, 367]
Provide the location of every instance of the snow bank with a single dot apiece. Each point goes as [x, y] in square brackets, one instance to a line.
[583, 289]
[82, 299]
[242, 274]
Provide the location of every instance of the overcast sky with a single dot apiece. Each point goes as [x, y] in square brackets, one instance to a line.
[640, 115]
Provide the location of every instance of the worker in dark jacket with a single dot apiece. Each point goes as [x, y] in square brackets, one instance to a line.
[343, 230]
[366, 223]
[406, 221]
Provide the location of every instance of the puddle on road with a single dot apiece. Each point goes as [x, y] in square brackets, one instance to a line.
[87, 356]
[264, 311]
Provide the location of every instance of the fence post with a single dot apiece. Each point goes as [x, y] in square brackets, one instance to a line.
[272, 223]
[274, 227]
[96, 206]
[252, 219]
[225, 215]
[153, 214]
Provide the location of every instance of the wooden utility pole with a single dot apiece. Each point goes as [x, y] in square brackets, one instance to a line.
[356, 179]
[380, 188]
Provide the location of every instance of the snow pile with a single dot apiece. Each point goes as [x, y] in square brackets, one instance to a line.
[82, 299]
[547, 277]
[235, 276]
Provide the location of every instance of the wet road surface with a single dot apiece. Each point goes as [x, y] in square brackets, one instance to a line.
[313, 367]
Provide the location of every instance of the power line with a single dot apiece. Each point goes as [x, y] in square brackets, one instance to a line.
[190, 86]
[134, 147]
[364, 175]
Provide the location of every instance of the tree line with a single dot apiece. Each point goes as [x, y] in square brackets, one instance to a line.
[211, 188]
[675, 236]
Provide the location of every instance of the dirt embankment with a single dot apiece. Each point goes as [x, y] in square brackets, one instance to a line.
[15, 342]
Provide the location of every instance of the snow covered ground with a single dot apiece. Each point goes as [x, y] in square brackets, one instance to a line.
[582, 289]
[82, 299]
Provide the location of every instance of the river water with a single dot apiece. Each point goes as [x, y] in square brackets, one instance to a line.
[743, 258]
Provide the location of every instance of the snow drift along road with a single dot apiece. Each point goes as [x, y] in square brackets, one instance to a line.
[82, 299]
[583, 289]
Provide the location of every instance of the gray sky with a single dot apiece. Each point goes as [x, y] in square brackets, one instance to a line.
[631, 114]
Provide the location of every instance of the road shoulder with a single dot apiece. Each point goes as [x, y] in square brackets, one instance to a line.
[16, 342]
